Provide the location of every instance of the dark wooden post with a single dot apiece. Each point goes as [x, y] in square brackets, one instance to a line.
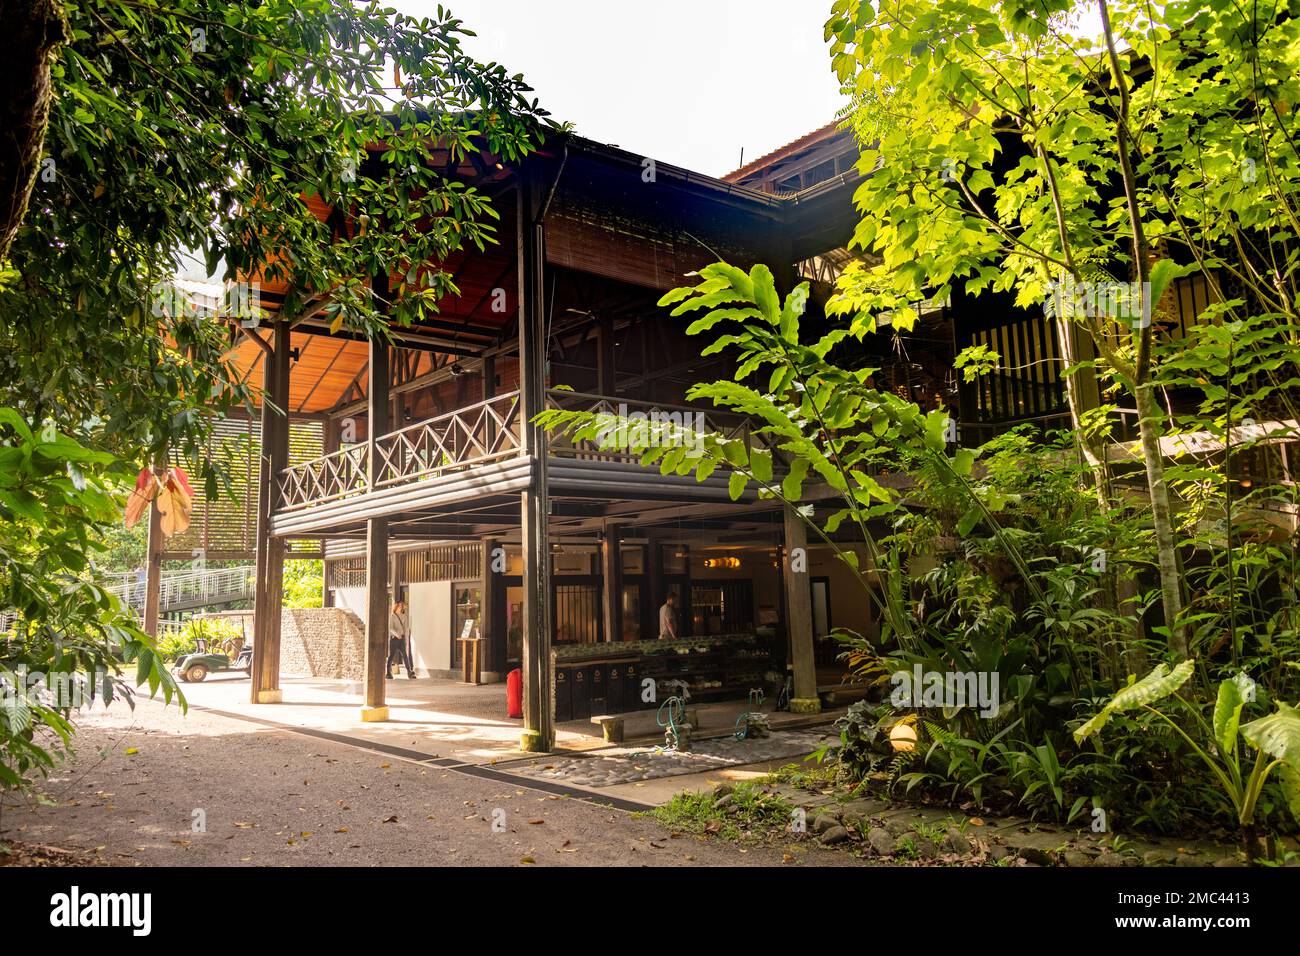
[153, 568]
[611, 572]
[606, 379]
[377, 607]
[654, 565]
[489, 392]
[268, 597]
[539, 692]
[490, 629]
[798, 602]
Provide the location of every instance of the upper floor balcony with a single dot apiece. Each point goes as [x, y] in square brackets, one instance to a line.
[480, 450]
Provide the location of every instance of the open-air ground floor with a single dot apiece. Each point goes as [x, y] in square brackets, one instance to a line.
[466, 725]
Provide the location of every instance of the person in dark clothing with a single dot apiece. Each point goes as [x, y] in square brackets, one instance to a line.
[399, 640]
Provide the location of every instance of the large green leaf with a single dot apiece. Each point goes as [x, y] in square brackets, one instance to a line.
[1164, 272]
[1160, 683]
[1278, 734]
[792, 484]
[765, 296]
[1290, 780]
[1227, 712]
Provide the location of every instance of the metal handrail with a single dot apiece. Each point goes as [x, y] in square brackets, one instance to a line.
[205, 584]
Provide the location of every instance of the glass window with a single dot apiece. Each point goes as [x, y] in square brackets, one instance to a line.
[633, 557]
[631, 612]
[675, 556]
[577, 613]
[467, 616]
[722, 607]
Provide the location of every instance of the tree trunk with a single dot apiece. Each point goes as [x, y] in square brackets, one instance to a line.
[1089, 448]
[1171, 585]
[35, 29]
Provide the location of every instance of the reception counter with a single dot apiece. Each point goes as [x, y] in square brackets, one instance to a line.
[594, 679]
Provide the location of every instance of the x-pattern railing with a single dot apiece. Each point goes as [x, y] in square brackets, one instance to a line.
[326, 478]
[682, 422]
[486, 432]
[476, 435]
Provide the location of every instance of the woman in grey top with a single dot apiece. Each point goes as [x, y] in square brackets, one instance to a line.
[399, 640]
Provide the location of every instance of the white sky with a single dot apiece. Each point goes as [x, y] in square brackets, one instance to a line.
[688, 82]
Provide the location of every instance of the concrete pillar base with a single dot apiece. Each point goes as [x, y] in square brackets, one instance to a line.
[374, 715]
[270, 696]
[530, 741]
[805, 705]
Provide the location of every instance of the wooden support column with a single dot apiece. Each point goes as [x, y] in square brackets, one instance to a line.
[654, 564]
[489, 391]
[606, 379]
[490, 629]
[799, 624]
[153, 569]
[539, 690]
[268, 598]
[377, 606]
[611, 574]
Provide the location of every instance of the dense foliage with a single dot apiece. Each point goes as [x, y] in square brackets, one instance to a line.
[222, 131]
[1006, 157]
[55, 495]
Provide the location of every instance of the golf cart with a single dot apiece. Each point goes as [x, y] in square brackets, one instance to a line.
[196, 666]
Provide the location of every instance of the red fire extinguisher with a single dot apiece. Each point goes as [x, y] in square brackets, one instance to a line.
[515, 693]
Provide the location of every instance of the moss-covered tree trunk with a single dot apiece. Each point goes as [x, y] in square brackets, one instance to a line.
[35, 29]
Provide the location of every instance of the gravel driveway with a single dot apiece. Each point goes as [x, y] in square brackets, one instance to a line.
[154, 788]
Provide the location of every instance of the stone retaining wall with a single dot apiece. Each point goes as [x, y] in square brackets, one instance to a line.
[315, 642]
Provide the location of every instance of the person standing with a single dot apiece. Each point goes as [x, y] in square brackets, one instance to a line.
[668, 618]
[399, 640]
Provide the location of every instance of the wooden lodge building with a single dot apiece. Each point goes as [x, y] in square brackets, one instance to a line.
[415, 472]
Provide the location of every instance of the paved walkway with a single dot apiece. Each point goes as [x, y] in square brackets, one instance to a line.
[442, 718]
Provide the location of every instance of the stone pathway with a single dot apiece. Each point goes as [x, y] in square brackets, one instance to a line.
[634, 765]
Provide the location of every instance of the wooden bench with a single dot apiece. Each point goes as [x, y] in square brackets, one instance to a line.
[611, 725]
